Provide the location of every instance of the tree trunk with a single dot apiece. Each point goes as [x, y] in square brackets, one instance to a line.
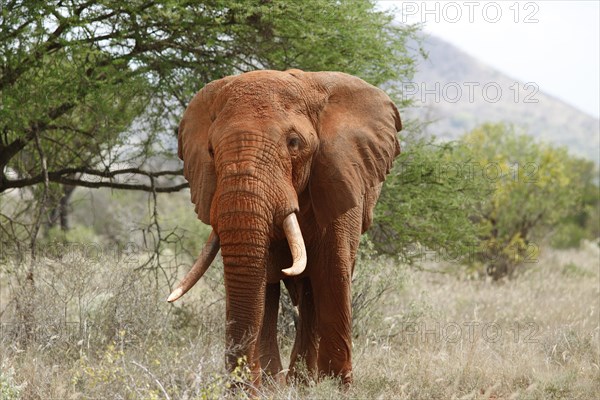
[60, 211]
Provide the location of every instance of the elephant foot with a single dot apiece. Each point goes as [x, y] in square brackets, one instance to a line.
[274, 379]
[272, 372]
[300, 374]
[347, 379]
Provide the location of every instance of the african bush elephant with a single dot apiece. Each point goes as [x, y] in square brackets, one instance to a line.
[287, 168]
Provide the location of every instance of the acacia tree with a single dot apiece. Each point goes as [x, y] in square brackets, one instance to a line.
[535, 187]
[92, 90]
[426, 208]
[77, 74]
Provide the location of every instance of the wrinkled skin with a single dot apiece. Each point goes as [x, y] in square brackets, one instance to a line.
[260, 146]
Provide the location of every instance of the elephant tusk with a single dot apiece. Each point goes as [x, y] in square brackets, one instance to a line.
[296, 243]
[206, 257]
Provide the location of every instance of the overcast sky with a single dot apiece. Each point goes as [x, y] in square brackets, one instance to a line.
[555, 44]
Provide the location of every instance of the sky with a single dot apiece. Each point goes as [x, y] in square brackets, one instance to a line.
[554, 43]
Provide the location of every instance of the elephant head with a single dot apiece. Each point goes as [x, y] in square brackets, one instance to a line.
[275, 157]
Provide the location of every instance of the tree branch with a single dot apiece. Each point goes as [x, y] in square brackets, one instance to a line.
[9, 151]
[61, 176]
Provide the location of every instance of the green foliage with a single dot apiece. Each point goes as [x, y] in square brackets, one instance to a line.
[486, 200]
[568, 235]
[348, 36]
[427, 202]
[584, 221]
[535, 187]
[79, 74]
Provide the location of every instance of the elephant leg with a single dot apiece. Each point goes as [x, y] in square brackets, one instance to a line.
[307, 340]
[334, 316]
[270, 359]
[331, 283]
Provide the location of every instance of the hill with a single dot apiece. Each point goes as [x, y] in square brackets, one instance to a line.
[456, 92]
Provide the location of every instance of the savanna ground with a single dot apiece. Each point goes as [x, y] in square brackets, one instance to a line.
[104, 331]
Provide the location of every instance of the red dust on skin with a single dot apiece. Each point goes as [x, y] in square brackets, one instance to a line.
[287, 168]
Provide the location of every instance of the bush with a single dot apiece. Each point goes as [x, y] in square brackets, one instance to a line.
[536, 186]
[568, 235]
[428, 200]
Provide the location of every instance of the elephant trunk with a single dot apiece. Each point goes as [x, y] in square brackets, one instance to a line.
[247, 206]
[244, 237]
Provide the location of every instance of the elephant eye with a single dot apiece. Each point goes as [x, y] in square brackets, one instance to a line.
[294, 144]
[211, 152]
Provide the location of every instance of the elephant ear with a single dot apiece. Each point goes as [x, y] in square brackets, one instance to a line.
[198, 166]
[357, 129]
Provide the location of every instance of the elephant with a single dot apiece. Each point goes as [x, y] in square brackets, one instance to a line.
[286, 166]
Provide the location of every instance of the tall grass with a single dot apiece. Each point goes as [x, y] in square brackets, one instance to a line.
[104, 331]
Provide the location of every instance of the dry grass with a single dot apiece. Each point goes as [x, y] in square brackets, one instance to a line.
[437, 336]
[534, 337]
